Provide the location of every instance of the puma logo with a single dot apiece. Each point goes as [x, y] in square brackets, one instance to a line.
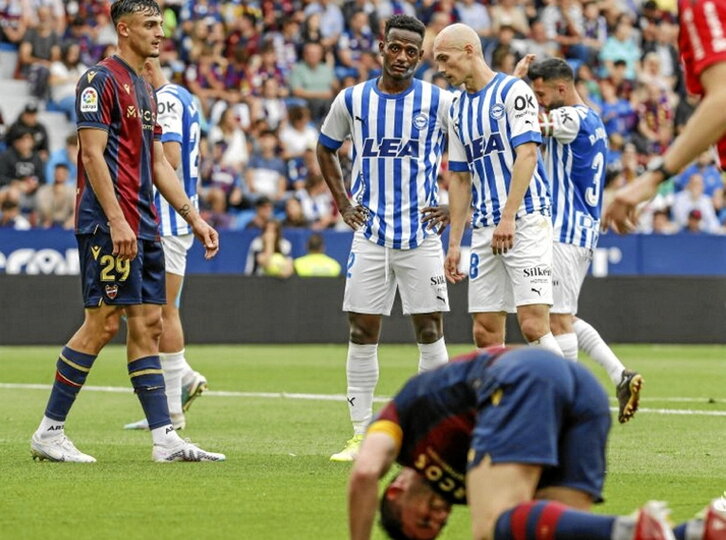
[441, 298]
[360, 119]
[538, 291]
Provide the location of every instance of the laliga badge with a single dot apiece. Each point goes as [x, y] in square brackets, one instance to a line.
[89, 100]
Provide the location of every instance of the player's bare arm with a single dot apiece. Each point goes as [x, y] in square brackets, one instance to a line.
[93, 143]
[705, 127]
[168, 184]
[522, 67]
[172, 152]
[376, 455]
[459, 203]
[354, 216]
[436, 218]
[522, 171]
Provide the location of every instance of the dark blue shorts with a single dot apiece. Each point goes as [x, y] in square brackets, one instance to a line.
[109, 280]
[538, 408]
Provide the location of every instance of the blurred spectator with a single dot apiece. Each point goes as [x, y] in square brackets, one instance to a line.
[618, 114]
[39, 49]
[27, 122]
[221, 186]
[313, 81]
[269, 253]
[356, 41]
[294, 216]
[20, 165]
[509, 13]
[621, 46]
[331, 20]
[595, 28]
[317, 202]
[13, 24]
[230, 132]
[298, 135]
[266, 172]
[474, 14]
[666, 51]
[55, 202]
[103, 29]
[710, 174]
[265, 67]
[693, 199]
[10, 215]
[538, 43]
[655, 125]
[316, 263]
[263, 214]
[563, 22]
[64, 75]
[503, 45]
[684, 110]
[662, 223]
[66, 156]
[694, 223]
[286, 43]
[205, 79]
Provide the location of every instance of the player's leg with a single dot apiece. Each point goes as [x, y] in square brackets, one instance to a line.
[74, 363]
[102, 280]
[181, 378]
[529, 269]
[490, 293]
[369, 291]
[569, 267]
[144, 326]
[422, 286]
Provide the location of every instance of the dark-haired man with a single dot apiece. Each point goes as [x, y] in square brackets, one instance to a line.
[497, 429]
[122, 262]
[398, 125]
[575, 161]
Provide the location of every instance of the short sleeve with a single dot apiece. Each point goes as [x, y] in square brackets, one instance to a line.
[95, 99]
[446, 99]
[563, 124]
[170, 116]
[336, 126]
[522, 110]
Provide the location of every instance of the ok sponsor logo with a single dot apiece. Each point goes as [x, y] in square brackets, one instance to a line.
[390, 147]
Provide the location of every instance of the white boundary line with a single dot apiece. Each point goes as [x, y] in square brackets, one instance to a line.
[380, 399]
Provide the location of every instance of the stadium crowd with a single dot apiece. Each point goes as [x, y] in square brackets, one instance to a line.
[265, 72]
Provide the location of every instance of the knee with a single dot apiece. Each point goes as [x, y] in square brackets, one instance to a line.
[534, 326]
[110, 329]
[429, 329]
[364, 330]
[154, 326]
[487, 334]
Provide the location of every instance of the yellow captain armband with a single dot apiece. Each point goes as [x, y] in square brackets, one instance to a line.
[391, 429]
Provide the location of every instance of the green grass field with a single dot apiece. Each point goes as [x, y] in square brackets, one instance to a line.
[278, 482]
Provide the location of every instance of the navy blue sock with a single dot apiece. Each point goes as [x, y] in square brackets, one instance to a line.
[680, 532]
[71, 371]
[549, 519]
[148, 381]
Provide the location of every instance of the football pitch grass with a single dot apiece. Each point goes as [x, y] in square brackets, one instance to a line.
[278, 413]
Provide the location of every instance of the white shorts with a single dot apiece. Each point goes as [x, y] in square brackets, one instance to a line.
[569, 268]
[175, 252]
[374, 272]
[520, 277]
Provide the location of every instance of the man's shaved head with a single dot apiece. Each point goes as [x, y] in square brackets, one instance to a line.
[457, 36]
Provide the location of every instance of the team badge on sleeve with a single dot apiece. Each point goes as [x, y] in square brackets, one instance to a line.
[89, 100]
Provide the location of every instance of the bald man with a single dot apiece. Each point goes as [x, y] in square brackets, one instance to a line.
[496, 168]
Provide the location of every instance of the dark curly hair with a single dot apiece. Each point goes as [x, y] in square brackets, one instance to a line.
[404, 22]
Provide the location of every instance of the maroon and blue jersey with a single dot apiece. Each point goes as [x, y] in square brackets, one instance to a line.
[111, 96]
[523, 405]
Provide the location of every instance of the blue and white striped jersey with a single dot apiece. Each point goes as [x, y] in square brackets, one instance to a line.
[575, 162]
[398, 140]
[485, 130]
[178, 117]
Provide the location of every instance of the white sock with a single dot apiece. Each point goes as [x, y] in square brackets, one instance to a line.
[49, 428]
[591, 342]
[432, 355]
[362, 373]
[187, 373]
[548, 342]
[568, 344]
[165, 436]
[172, 364]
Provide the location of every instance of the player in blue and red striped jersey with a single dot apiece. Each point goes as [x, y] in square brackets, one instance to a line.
[497, 429]
[121, 157]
